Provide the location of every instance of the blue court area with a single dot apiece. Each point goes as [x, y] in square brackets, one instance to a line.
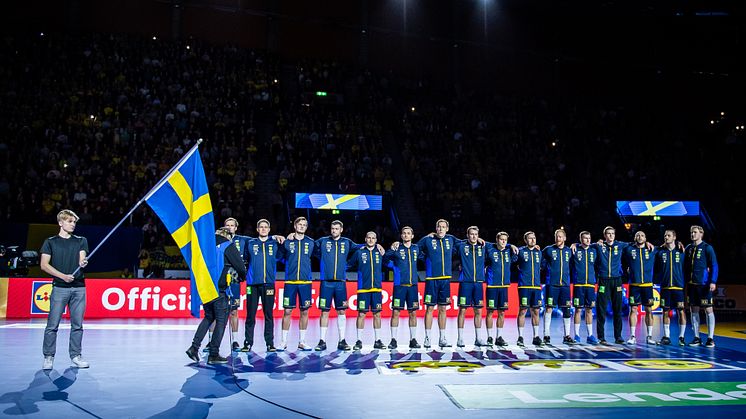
[139, 370]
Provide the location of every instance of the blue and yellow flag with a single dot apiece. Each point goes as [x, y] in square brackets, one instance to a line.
[182, 202]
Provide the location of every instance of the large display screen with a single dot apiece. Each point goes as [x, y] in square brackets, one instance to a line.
[339, 201]
[658, 208]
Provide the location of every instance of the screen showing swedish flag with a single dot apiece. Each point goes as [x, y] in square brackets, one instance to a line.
[339, 201]
[659, 208]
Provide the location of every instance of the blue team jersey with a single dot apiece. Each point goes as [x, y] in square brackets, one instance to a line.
[403, 261]
[263, 256]
[438, 254]
[700, 265]
[529, 268]
[583, 265]
[557, 264]
[639, 262]
[297, 258]
[472, 261]
[333, 256]
[498, 265]
[369, 264]
[669, 268]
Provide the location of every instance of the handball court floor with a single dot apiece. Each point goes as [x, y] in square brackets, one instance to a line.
[139, 370]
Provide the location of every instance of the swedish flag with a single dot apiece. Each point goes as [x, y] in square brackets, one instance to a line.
[182, 201]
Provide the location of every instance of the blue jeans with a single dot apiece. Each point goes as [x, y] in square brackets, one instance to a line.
[74, 298]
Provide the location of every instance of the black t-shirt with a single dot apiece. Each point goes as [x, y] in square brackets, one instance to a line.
[65, 257]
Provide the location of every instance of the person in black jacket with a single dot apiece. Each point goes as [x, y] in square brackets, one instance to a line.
[217, 309]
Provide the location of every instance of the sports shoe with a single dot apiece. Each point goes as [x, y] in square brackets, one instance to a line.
[490, 342]
[413, 344]
[567, 340]
[392, 344]
[246, 346]
[459, 343]
[592, 340]
[271, 348]
[48, 363]
[343, 346]
[577, 339]
[537, 341]
[235, 347]
[547, 340]
[520, 342]
[665, 340]
[80, 363]
[206, 349]
[193, 354]
[302, 346]
[479, 342]
[632, 340]
[321, 346]
[710, 343]
[282, 347]
[216, 359]
[603, 342]
[681, 341]
[426, 343]
[695, 342]
[650, 341]
[443, 343]
[619, 341]
[358, 345]
[500, 341]
[378, 344]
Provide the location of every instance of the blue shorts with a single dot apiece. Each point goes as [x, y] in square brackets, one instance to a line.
[672, 299]
[406, 295]
[438, 292]
[471, 294]
[369, 301]
[333, 291]
[699, 295]
[497, 298]
[300, 293]
[584, 297]
[557, 296]
[234, 300]
[530, 297]
[641, 296]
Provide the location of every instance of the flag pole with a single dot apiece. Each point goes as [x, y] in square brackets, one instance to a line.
[153, 190]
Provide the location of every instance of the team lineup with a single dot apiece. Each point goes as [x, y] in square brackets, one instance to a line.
[584, 275]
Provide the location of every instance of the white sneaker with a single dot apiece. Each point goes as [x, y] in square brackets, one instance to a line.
[426, 344]
[459, 343]
[302, 346]
[283, 346]
[48, 363]
[650, 341]
[80, 363]
[632, 340]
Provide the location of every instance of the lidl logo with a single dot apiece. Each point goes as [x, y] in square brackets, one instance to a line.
[41, 295]
[533, 396]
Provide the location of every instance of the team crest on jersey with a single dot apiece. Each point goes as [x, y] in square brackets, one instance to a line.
[616, 250]
[255, 249]
[328, 246]
[364, 257]
[591, 257]
[414, 254]
[341, 248]
[507, 257]
[434, 243]
[479, 251]
[537, 256]
[567, 256]
[305, 248]
[525, 256]
[466, 251]
[271, 250]
[291, 247]
[238, 245]
[448, 244]
[402, 254]
[554, 255]
[677, 257]
[377, 258]
[579, 256]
